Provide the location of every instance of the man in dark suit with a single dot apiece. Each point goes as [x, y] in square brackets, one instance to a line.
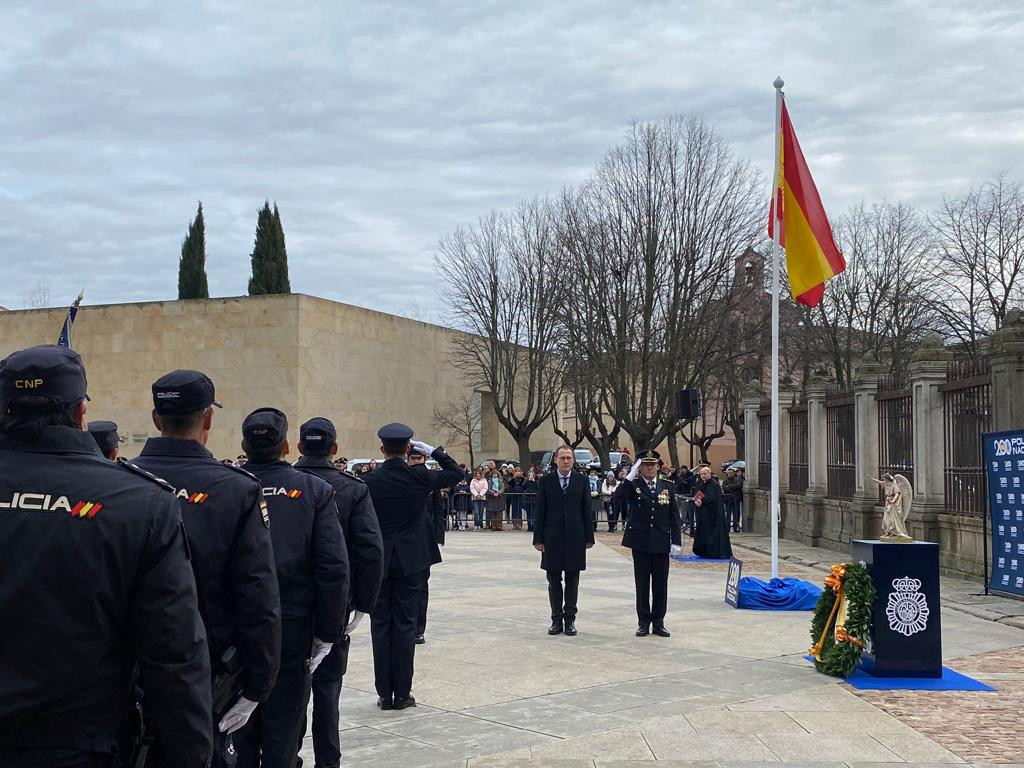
[399, 493]
[436, 514]
[652, 532]
[563, 532]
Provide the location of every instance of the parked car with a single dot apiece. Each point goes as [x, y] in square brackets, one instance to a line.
[614, 457]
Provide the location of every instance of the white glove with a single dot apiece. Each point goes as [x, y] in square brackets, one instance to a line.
[357, 616]
[675, 549]
[317, 653]
[634, 471]
[238, 715]
[423, 448]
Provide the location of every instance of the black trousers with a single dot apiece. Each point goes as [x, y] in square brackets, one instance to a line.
[421, 617]
[563, 604]
[48, 758]
[650, 571]
[270, 737]
[393, 630]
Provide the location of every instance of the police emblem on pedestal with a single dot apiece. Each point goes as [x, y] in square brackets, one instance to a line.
[907, 607]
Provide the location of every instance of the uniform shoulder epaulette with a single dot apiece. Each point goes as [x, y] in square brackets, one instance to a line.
[351, 476]
[241, 471]
[124, 463]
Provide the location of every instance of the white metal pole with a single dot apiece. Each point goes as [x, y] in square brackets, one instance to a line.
[773, 505]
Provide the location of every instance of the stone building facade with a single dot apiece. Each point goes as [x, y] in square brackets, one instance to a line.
[305, 355]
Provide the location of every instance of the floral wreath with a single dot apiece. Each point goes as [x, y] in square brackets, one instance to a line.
[841, 625]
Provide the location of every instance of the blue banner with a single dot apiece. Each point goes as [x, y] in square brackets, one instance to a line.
[1004, 464]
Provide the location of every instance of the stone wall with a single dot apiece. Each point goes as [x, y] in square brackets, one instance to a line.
[304, 355]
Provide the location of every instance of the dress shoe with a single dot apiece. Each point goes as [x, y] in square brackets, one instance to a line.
[419, 640]
[570, 626]
[384, 703]
[556, 627]
[405, 703]
[643, 630]
[660, 631]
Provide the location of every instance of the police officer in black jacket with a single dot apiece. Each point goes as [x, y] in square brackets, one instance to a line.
[227, 524]
[97, 594]
[652, 532]
[399, 494]
[105, 435]
[312, 576]
[318, 446]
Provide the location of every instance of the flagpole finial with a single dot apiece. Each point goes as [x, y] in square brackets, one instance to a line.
[779, 82]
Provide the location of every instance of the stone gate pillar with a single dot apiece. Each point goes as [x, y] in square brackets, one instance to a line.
[1007, 357]
[866, 519]
[927, 371]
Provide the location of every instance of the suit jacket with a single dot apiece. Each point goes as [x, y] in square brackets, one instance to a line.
[652, 523]
[563, 523]
[400, 493]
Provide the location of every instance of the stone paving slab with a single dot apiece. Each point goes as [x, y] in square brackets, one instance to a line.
[729, 689]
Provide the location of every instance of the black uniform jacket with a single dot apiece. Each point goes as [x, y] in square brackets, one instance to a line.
[309, 547]
[359, 526]
[400, 493]
[94, 580]
[652, 523]
[563, 523]
[232, 556]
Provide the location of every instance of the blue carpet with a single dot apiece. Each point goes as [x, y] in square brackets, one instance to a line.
[950, 681]
[696, 559]
[778, 594]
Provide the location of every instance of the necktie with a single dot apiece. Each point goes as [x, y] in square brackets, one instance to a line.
[651, 486]
[565, 483]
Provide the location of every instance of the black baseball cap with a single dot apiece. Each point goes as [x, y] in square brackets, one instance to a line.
[105, 434]
[318, 431]
[265, 426]
[49, 371]
[180, 392]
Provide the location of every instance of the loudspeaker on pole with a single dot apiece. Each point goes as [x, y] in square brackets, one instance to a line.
[688, 404]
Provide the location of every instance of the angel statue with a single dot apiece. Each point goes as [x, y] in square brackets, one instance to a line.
[898, 495]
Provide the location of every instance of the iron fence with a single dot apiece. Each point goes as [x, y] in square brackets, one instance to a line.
[764, 445]
[798, 448]
[841, 441]
[895, 430]
[966, 414]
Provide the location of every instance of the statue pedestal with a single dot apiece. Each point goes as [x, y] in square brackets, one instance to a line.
[906, 639]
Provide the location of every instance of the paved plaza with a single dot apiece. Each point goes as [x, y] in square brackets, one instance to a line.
[729, 688]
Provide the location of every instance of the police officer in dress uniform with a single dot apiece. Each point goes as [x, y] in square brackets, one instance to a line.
[652, 532]
[97, 593]
[227, 525]
[105, 435]
[312, 575]
[436, 516]
[318, 446]
[399, 494]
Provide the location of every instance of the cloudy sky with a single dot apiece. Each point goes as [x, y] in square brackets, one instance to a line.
[379, 126]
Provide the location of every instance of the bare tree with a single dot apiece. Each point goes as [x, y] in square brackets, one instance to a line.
[504, 290]
[980, 258]
[651, 240]
[459, 418]
[38, 297]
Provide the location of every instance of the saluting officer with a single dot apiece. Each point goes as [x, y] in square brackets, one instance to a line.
[312, 575]
[652, 532]
[399, 494]
[227, 526]
[105, 435]
[318, 446]
[96, 585]
[435, 519]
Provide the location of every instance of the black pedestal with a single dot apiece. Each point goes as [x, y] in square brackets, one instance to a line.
[907, 632]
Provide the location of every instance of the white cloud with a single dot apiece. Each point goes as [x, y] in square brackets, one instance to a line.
[379, 127]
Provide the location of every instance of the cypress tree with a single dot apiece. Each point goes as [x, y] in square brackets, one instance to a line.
[269, 257]
[192, 265]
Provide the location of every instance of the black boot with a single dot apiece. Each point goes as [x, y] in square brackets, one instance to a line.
[570, 625]
[660, 631]
[643, 630]
[556, 626]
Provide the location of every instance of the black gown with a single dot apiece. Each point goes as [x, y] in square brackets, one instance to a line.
[711, 537]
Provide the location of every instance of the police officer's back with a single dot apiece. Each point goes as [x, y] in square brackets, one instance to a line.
[95, 582]
[227, 526]
[312, 573]
[318, 445]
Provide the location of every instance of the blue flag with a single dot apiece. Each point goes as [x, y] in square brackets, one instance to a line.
[65, 332]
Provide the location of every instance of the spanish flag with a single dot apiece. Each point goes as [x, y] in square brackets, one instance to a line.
[811, 253]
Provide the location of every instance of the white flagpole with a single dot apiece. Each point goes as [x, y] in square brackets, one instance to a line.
[773, 505]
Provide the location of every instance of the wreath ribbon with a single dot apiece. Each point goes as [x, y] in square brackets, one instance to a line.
[836, 581]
